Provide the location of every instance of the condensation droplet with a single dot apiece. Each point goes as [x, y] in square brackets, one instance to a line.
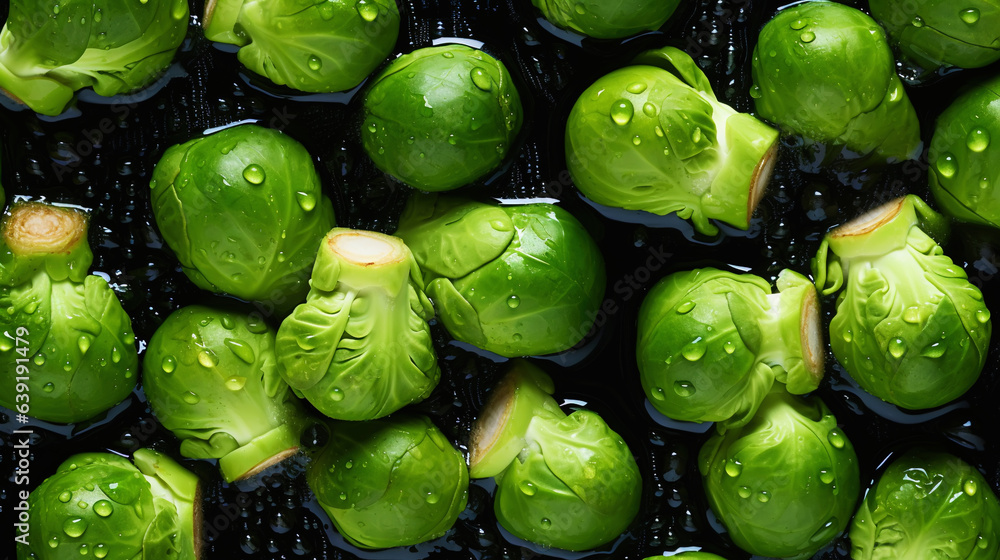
[947, 166]
[684, 388]
[254, 174]
[978, 139]
[622, 111]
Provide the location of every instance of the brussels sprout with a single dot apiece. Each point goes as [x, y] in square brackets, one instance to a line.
[102, 505]
[607, 20]
[824, 71]
[964, 171]
[786, 483]
[64, 335]
[935, 33]
[689, 556]
[654, 137]
[48, 51]
[360, 346]
[211, 378]
[441, 117]
[711, 343]
[390, 482]
[514, 280]
[910, 328]
[254, 181]
[308, 45]
[927, 504]
[564, 481]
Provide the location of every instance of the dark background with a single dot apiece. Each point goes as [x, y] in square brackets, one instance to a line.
[100, 156]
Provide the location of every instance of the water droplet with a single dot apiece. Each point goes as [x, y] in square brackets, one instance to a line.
[336, 394]
[208, 359]
[236, 383]
[54, 542]
[372, 128]
[744, 492]
[807, 37]
[527, 488]
[116, 355]
[636, 88]
[755, 92]
[917, 22]
[55, 9]
[694, 350]
[729, 346]
[636, 140]
[978, 139]
[657, 394]
[835, 438]
[241, 350]
[103, 508]
[75, 527]
[947, 165]
[513, 302]
[254, 174]
[315, 64]
[658, 130]
[911, 314]
[622, 111]
[48, 387]
[83, 343]
[65, 497]
[969, 487]
[546, 523]
[100, 551]
[764, 497]
[349, 465]
[733, 467]
[191, 397]
[825, 476]
[897, 347]
[481, 79]
[982, 542]
[580, 9]
[431, 498]
[306, 201]
[685, 307]
[798, 24]
[684, 388]
[969, 16]
[39, 359]
[848, 335]
[367, 10]
[935, 350]
[983, 315]
[696, 135]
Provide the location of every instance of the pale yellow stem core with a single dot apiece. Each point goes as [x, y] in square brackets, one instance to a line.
[209, 10]
[273, 460]
[812, 334]
[366, 248]
[871, 220]
[35, 228]
[492, 421]
[761, 177]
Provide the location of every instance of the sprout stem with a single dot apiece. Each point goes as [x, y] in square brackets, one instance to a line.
[365, 248]
[41, 229]
[760, 178]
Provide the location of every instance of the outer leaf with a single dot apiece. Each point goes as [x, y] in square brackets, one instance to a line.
[966, 37]
[607, 20]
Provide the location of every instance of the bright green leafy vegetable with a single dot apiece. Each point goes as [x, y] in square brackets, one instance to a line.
[244, 211]
[441, 117]
[211, 378]
[514, 280]
[65, 337]
[360, 346]
[389, 482]
[308, 45]
[935, 33]
[786, 483]
[48, 50]
[824, 71]
[690, 556]
[910, 328]
[102, 505]
[607, 20]
[654, 137]
[964, 170]
[710, 343]
[566, 481]
[927, 504]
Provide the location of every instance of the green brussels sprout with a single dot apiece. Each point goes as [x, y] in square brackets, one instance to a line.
[566, 481]
[441, 117]
[514, 280]
[936, 33]
[66, 341]
[710, 343]
[786, 483]
[360, 346]
[308, 45]
[251, 180]
[964, 170]
[654, 137]
[910, 328]
[607, 20]
[927, 504]
[50, 50]
[211, 378]
[389, 482]
[824, 71]
[102, 505]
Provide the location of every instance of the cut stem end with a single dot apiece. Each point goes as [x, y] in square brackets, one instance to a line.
[760, 179]
[366, 248]
[35, 229]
